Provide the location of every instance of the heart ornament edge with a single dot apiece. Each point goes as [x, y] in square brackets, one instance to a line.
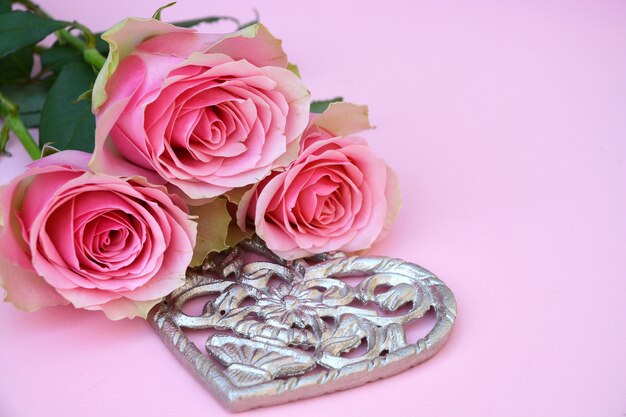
[265, 361]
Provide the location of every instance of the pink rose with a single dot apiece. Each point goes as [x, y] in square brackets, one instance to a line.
[96, 241]
[338, 195]
[204, 113]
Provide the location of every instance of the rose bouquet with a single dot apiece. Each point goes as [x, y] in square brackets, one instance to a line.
[176, 145]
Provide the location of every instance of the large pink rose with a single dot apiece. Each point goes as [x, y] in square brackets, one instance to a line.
[96, 241]
[338, 195]
[204, 113]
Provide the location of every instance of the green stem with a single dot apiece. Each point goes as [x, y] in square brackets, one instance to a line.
[94, 57]
[4, 138]
[12, 121]
[33, 7]
[90, 53]
[89, 36]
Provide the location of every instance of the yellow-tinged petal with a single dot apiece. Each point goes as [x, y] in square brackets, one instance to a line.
[236, 235]
[123, 308]
[213, 220]
[394, 200]
[25, 289]
[343, 118]
[235, 195]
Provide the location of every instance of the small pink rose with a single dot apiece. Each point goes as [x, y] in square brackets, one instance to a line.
[338, 195]
[203, 113]
[95, 241]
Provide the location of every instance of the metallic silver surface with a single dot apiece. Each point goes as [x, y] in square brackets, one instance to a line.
[274, 343]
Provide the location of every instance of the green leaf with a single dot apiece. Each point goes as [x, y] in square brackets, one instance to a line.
[5, 6]
[19, 29]
[208, 19]
[157, 14]
[321, 105]
[55, 58]
[101, 45]
[65, 122]
[17, 66]
[30, 99]
[213, 221]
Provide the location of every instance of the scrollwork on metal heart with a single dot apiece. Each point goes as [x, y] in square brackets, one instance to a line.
[280, 342]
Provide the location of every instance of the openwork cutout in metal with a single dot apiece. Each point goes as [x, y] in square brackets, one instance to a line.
[278, 343]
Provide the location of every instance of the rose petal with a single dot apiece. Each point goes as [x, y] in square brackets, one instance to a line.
[255, 44]
[123, 38]
[123, 308]
[25, 289]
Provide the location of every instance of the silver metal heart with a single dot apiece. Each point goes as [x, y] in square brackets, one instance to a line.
[274, 344]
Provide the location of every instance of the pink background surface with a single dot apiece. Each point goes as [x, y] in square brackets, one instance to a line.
[506, 122]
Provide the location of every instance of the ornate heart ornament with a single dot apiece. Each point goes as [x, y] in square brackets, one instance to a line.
[270, 344]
